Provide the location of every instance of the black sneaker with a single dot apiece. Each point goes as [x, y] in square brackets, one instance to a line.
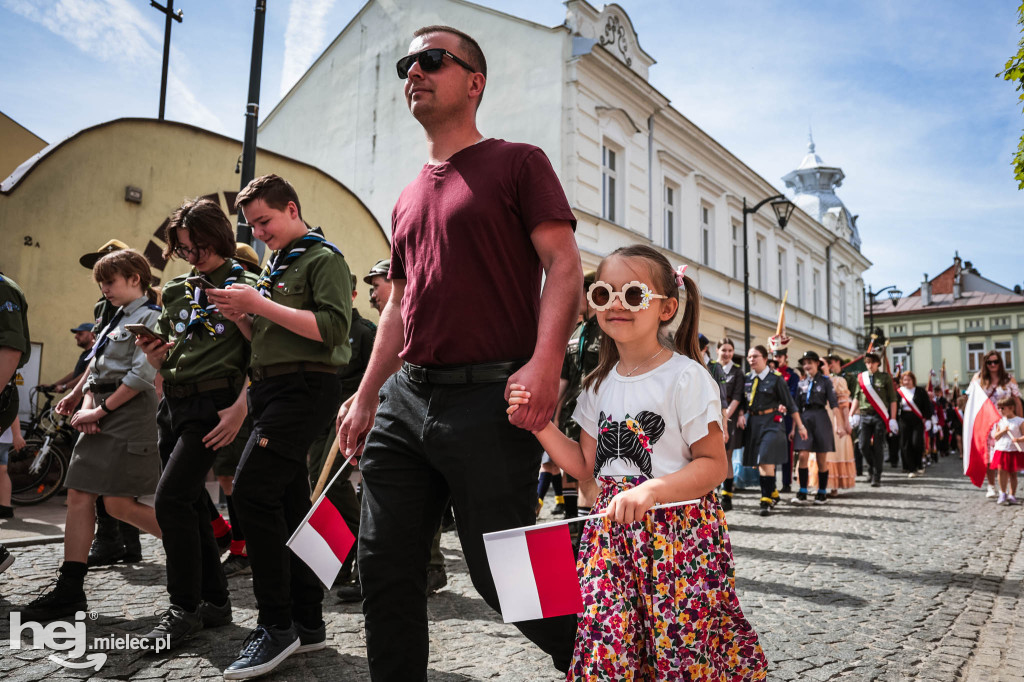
[558, 509]
[311, 639]
[821, 498]
[787, 489]
[214, 616]
[236, 564]
[350, 593]
[6, 559]
[799, 498]
[726, 501]
[105, 552]
[264, 649]
[175, 626]
[436, 579]
[63, 599]
[876, 481]
[766, 506]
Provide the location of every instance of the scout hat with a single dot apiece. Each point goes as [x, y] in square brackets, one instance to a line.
[246, 255]
[88, 260]
[381, 267]
[84, 327]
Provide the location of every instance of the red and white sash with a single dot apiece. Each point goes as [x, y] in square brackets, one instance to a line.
[875, 400]
[959, 414]
[908, 400]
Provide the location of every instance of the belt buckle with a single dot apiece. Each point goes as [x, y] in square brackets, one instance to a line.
[417, 374]
[257, 374]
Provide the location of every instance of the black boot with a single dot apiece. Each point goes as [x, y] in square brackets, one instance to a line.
[107, 547]
[132, 544]
[65, 597]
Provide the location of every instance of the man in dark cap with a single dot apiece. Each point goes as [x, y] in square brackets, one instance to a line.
[84, 338]
[380, 285]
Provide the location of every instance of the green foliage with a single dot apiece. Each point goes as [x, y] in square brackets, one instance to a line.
[1014, 73]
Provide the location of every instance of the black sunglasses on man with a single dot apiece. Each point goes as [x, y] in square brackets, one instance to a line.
[429, 60]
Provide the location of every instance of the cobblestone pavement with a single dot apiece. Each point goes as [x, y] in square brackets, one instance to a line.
[917, 580]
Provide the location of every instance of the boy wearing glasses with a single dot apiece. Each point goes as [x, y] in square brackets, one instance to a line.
[298, 315]
[471, 236]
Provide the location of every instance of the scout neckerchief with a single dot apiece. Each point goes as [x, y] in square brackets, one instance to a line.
[281, 261]
[810, 387]
[908, 401]
[101, 341]
[196, 297]
[875, 400]
[753, 390]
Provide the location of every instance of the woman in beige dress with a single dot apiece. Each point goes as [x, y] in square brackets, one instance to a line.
[841, 465]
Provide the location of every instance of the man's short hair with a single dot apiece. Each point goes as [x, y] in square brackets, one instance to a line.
[470, 48]
[274, 190]
[872, 357]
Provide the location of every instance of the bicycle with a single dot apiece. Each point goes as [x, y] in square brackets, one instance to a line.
[38, 470]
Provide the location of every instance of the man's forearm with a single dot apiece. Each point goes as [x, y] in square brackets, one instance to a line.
[559, 307]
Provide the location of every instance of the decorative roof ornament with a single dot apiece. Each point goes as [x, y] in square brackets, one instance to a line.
[814, 186]
[615, 34]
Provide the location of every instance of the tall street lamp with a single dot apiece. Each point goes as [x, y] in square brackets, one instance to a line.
[894, 295]
[783, 209]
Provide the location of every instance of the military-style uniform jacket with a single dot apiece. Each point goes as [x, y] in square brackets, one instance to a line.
[766, 394]
[198, 355]
[815, 392]
[581, 356]
[882, 383]
[361, 337]
[320, 281]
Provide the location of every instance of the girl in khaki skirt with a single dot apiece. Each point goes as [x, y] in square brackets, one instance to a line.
[116, 455]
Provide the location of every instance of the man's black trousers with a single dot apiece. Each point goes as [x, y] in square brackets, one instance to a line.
[873, 433]
[429, 443]
[271, 493]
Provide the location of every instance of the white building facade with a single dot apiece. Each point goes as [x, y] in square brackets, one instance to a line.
[634, 169]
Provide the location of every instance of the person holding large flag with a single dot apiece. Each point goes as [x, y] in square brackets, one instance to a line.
[996, 383]
[877, 402]
[473, 234]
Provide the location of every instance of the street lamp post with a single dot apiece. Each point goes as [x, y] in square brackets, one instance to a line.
[783, 209]
[894, 295]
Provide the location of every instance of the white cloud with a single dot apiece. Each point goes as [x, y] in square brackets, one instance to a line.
[115, 31]
[303, 38]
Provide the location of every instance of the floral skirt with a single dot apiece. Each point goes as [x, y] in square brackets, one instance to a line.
[660, 598]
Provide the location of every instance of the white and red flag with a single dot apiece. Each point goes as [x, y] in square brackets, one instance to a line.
[323, 539]
[534, 572]
[980, 415]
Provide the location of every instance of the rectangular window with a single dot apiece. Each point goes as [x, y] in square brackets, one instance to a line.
[783, 274]
[706, 218]
[975, 352]
[1005, 349]
[842, 304]
[1002, 322]
[760, 262]
[737, 250]
[901, 357]
[670, 216]
[609, 174]
[799, 283]
[897, 330]
[977, 323]
[816, 293]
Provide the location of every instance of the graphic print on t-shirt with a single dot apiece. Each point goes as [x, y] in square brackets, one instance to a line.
[631, 439]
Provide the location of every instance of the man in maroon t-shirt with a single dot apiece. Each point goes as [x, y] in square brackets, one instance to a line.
[471, 236]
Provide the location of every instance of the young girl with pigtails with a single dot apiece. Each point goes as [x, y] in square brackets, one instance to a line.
[658, 586]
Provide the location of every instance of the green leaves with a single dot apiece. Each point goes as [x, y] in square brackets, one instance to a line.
[1014, 73]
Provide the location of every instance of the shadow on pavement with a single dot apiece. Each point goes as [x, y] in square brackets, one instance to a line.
[767, 530]
[825, 597]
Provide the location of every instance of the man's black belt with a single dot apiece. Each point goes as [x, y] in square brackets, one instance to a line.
[487, 373]
[188, 390]
[101, 388]
[261, 373]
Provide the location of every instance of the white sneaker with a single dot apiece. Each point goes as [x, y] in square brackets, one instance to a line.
[920, 472]
[1002, 500]
[991, 491]
[912, 474]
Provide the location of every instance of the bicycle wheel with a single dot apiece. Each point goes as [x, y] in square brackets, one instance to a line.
[34, 484]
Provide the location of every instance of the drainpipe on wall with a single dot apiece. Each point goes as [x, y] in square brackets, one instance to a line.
[650, 176]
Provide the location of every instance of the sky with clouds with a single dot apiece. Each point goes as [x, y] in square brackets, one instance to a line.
[902, 95]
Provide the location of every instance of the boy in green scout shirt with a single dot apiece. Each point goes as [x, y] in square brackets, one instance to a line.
[876, 398]
[298, 315]
[202, 414]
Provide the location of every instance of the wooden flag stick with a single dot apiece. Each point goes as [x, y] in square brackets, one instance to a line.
[322, 481]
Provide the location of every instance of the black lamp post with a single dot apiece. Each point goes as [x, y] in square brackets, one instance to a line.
[783, 209]
[894, 295]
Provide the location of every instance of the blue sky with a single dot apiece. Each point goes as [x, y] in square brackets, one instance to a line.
[902, 95]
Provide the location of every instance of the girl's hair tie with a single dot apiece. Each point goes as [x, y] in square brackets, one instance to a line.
[680, 275]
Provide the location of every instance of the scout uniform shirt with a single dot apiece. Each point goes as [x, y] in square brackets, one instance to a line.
[13, 334]
[116, 360]
[581, 357]
[770, 392]
[320, 281]
[882, 382]
[816, 392]
[198, 355]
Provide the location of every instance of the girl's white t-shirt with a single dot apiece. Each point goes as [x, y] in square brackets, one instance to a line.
[1005, 441]
[644, 424]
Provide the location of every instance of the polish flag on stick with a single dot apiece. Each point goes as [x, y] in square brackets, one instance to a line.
[323, 539]
[534, 569]
[980, 415]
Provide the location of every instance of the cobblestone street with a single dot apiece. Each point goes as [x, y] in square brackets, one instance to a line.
[917, 580]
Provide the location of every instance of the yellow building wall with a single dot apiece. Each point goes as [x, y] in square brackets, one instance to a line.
[73, 200]
[17, 144]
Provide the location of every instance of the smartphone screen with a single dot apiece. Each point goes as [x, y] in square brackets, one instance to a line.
[201, 282]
